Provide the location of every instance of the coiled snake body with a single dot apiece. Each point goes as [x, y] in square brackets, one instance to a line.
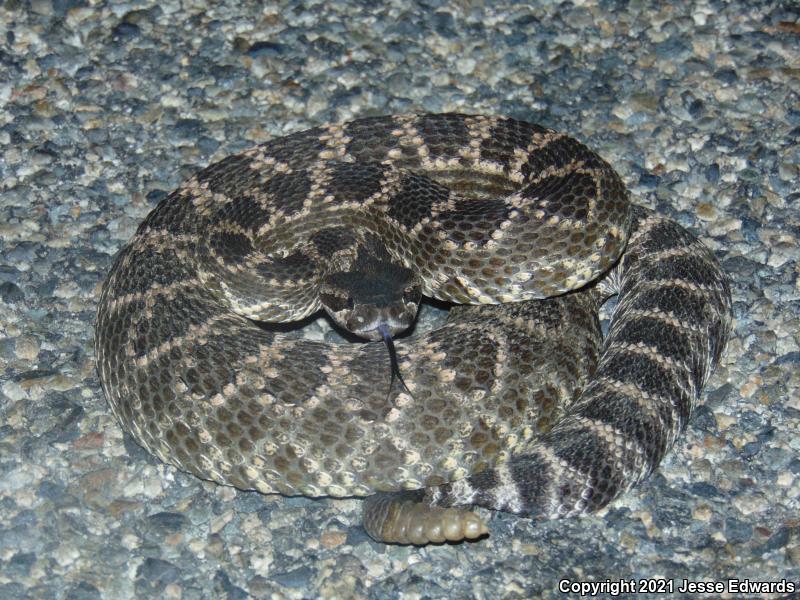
[515, 404]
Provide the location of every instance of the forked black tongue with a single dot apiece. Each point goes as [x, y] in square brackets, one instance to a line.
[395, 367]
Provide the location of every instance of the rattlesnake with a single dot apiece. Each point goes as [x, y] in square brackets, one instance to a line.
[363, 218]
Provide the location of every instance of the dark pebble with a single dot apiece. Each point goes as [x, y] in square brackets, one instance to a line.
[11, 293]
[7, 346]
[223, 588]
[167, 522]
[766, 434]
[143, 15]
[51, 490]
[712, 173]
[125, 31]
[99, 235]
[750, 449]
[696, 108]
[673, 47]
[155, 196]
[20, 564]
[16, 591]
[404, 29]
[649, 180]
[25, 518]
[749, 420]
[726, 76]
[723, 141]
[188, 129]
[327, 47]
[34, 374]
[97, 135]
[266, 49]
[60, 7]
[704, 490]
[207, 145]
[444, 24]
[750, 229]
[737, 531]
[777, 540]
[356, 535]
[24, 252]
[249, 502]
[83, 591]
[153, 574]
[294, 579]
[227, 74]
[703, 419]
[49, 61]
[790, 358]
[135, 453]
[9, 273]
[528, 18]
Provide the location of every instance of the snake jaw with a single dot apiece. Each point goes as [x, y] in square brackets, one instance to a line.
[368, 321]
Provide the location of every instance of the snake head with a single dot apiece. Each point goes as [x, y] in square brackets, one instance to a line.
[372, 295]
